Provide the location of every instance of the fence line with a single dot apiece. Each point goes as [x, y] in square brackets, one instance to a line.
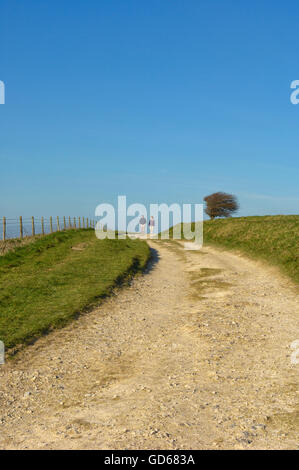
[30, 226]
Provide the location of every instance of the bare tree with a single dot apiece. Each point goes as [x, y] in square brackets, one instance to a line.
[220, 205]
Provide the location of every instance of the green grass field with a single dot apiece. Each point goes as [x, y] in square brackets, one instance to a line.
[274, 239]
[44, 284]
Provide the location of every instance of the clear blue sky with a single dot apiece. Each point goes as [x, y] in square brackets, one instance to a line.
[164, 101]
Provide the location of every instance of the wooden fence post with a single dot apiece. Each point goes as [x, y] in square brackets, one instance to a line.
[79, 222]
[43, 227]
[33, 227]
[83, 222]
[64, 223]
[87, 223]
[58, 225]
[51, 225]
[4, 229]
[21, 227]
[70, 225]
[74, 222]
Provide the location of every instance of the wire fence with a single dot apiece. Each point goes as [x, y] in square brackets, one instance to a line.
[30, 226]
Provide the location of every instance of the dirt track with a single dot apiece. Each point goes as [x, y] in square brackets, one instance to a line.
[195, 354]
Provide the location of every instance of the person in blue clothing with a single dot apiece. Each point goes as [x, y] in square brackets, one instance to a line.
[142, 223]
[151, 224]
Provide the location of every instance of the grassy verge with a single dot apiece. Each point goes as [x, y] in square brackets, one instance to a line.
[13, 243]
[270, 238]
[45, 284]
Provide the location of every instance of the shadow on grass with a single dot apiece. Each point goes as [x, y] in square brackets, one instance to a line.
[152, 261]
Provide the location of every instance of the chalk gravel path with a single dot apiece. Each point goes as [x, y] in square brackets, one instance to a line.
[194, 354]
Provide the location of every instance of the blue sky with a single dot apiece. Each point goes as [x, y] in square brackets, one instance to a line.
[163, 101]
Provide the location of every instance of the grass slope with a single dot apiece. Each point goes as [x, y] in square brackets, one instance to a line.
[46, 283]
[271, 238]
